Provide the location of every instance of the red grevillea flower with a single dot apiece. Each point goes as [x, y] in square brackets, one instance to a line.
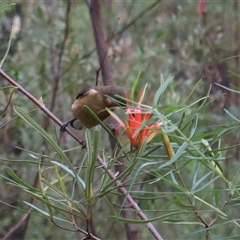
[134, 129]
[137, 133]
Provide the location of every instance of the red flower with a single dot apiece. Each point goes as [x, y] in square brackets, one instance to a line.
[137, 133]
[134, 129]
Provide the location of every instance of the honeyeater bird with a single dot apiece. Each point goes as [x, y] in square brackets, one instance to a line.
[97, 99]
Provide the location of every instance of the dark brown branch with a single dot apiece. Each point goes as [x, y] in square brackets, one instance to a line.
[101, 46]
[95, 14]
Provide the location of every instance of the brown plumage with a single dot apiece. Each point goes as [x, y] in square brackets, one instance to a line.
[97, 99]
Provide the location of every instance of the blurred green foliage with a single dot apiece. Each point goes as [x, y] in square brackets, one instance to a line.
[172, 38]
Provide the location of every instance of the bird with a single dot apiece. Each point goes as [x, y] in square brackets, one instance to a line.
[96, 98]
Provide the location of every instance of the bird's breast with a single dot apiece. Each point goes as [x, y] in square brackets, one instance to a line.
[87, 119]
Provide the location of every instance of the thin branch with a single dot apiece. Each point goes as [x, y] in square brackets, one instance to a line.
[133, 21]
[131, 201]
[121, 31]
[170, 152]
[118, 183]
[18, 225]
[106, 71]
[56, 66]
[95, 14]
[101, 46]
[66, 33]
[38, 103]
[25, 218]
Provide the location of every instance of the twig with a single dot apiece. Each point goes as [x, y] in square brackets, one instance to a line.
[133, 21]
[223, 206]
[66, 33]
[131, 201]
[18, 225]
[95, 14]
[56, 66]
[122, 30]
[171, 153]
[25, 218]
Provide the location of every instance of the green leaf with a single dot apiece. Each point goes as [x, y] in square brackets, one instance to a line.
[134, 86]
[40, 130]
[161, 90]
[125, 220]
[7, 6]
[232, 116]
[194, 125]
[217, 190]
[46, 136]
[68, 170]
[18, 180]
[191, 93]
[99, 121]
[92, 148]
[177, 155]
[8, 48]
[177, 200]
[200, 181]
[60, 180]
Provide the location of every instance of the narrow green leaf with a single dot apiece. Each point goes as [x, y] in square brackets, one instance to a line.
[234, 74]
[8, 48]
[145, 221]
[68, 170]
[161, 90]
[20, 181]
[38, 209]
[60, 180]
[207, 184]
[177, 200]
[209, 152]
[200, 181]
[217, 190]
[191, 93]
[177, 155]
[135, 86]
[7, 6]
[77, 205]
[194, 125]
[45, 135]
[229, 89]
[92, 158]
[99, 121]
[232, 116]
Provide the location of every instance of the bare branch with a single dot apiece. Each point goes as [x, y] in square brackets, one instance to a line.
[38, 103]
[18, 225]
[56, 65]
[95, 13]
